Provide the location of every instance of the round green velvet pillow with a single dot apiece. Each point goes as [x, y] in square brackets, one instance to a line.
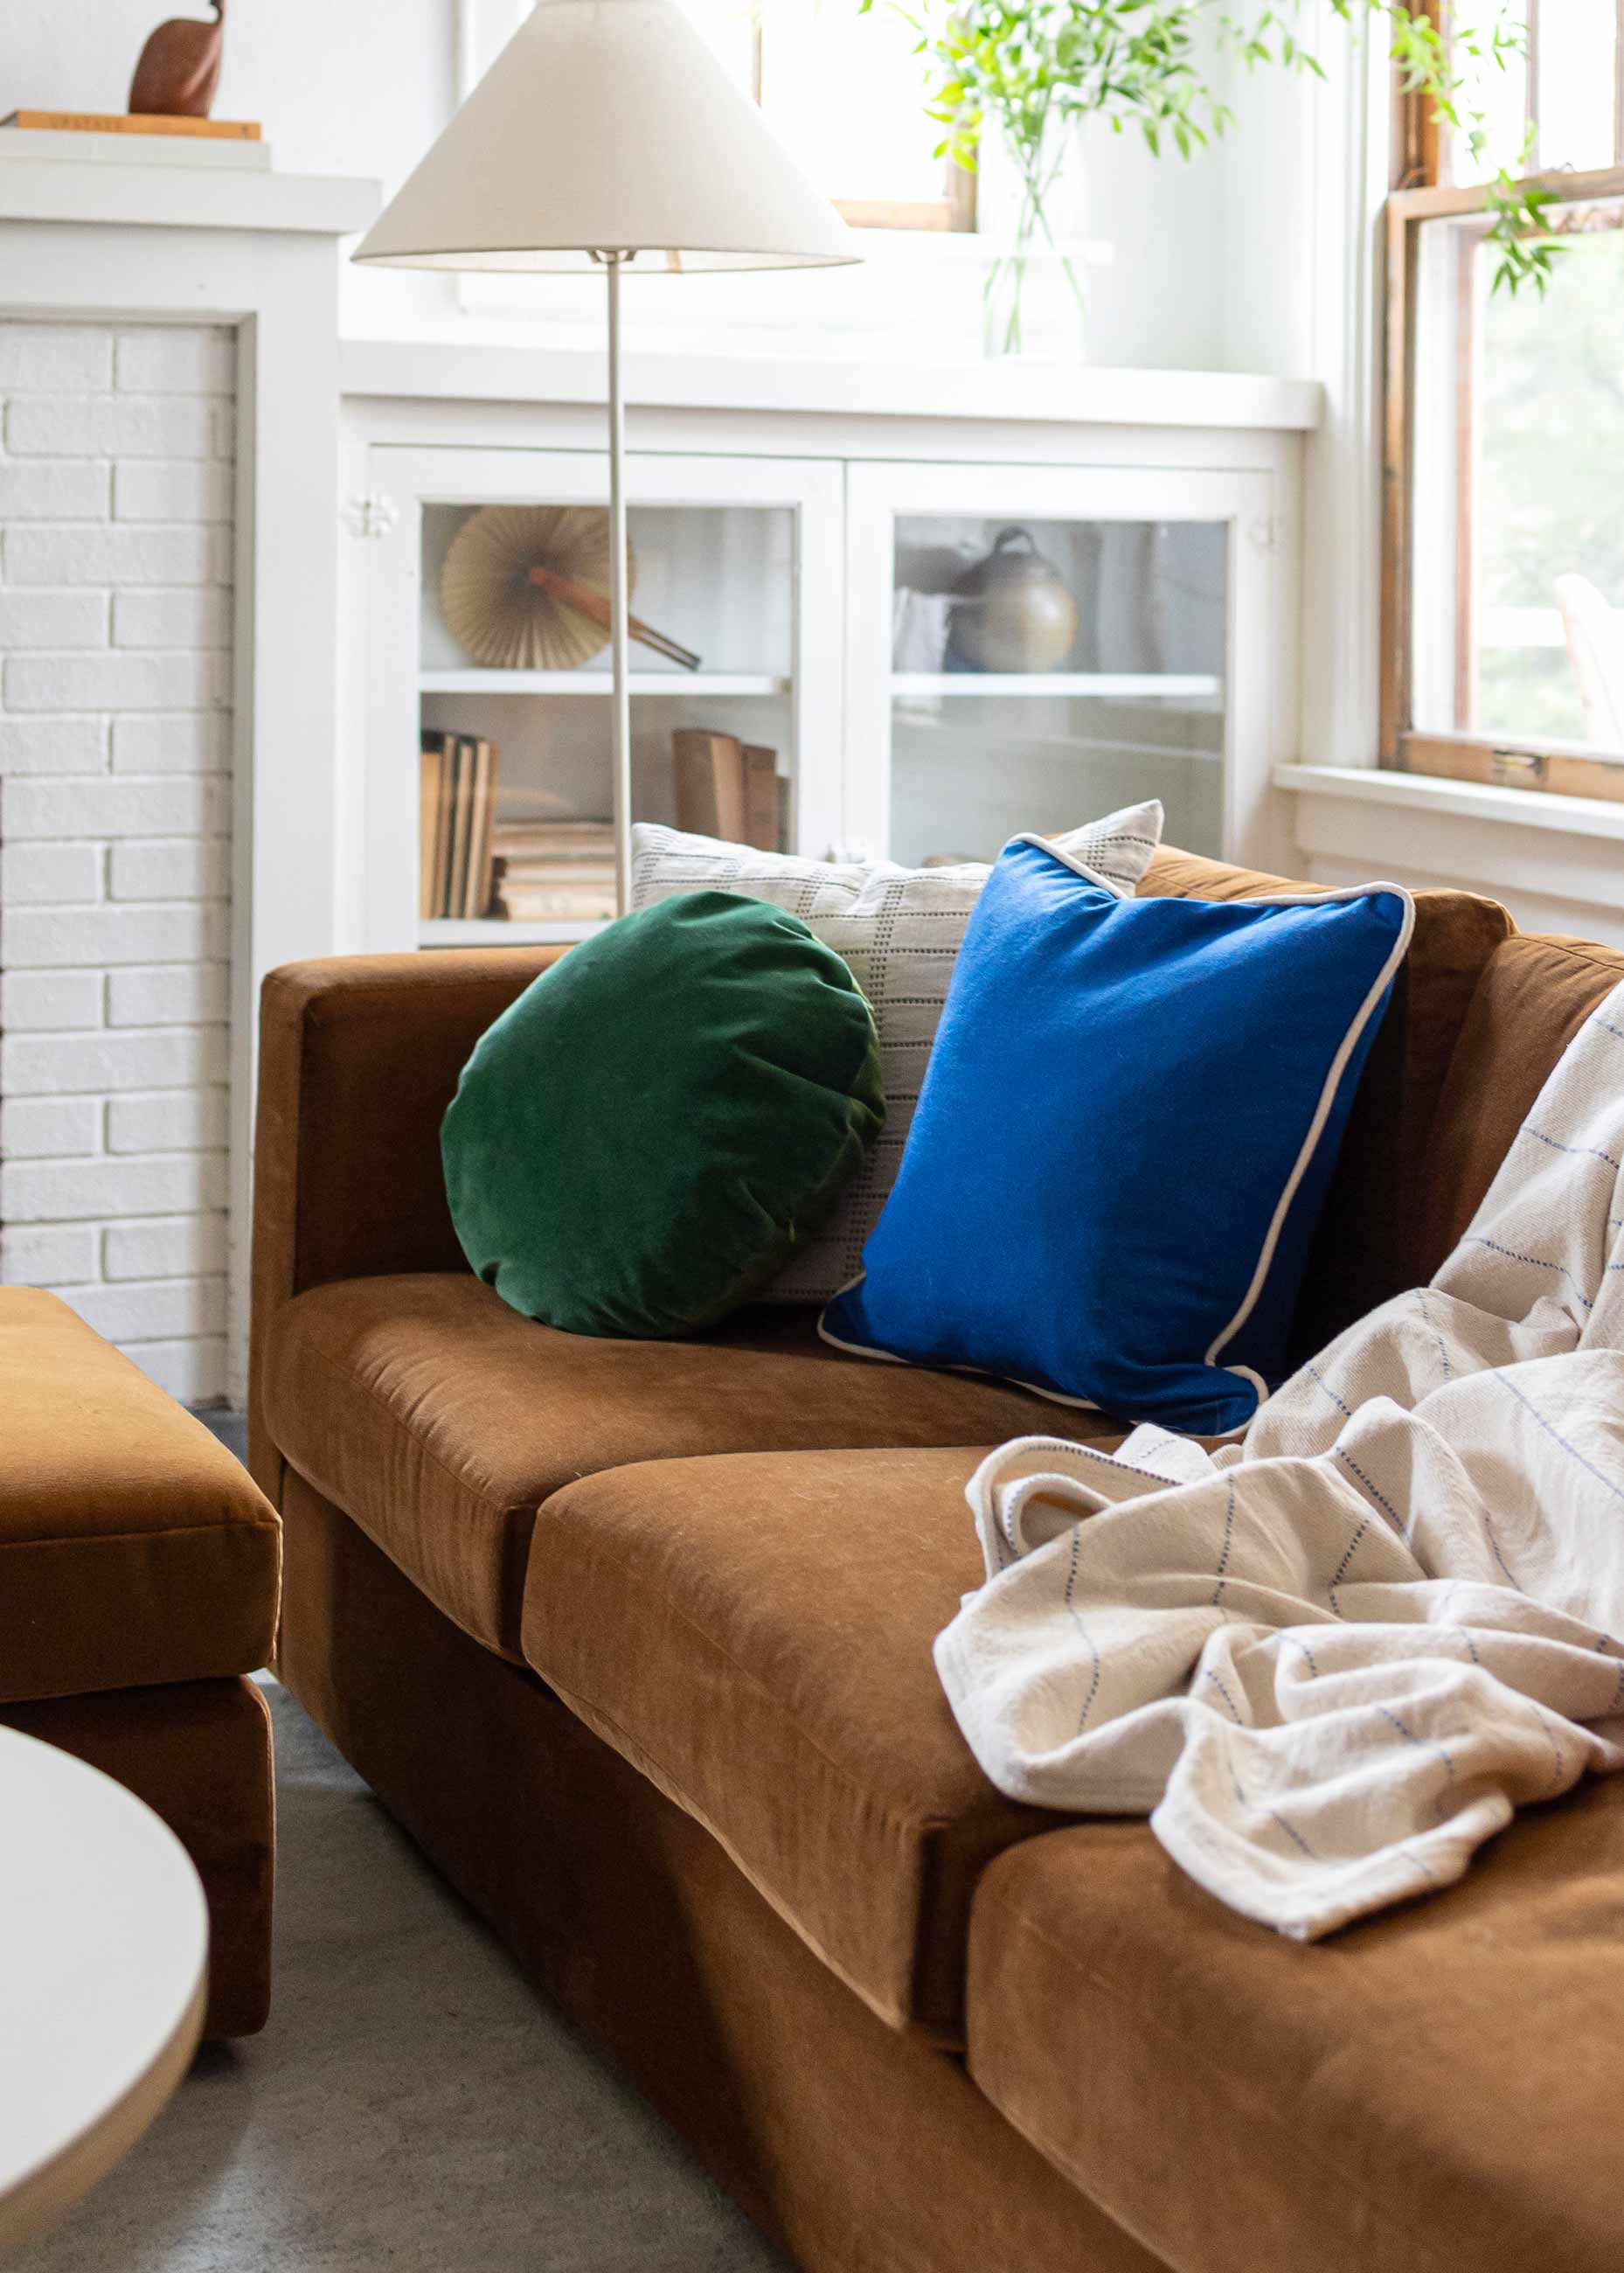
[642, 1140]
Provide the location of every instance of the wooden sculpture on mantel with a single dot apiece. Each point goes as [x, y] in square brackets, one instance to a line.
[179, 69]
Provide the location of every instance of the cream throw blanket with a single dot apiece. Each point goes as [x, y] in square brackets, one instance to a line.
[1329, 1661]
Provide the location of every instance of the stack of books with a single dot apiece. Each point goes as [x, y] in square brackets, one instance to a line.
[730, 788]
[554, 871]
[458, 818]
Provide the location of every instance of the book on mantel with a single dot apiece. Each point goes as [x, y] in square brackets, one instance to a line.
[122, 138]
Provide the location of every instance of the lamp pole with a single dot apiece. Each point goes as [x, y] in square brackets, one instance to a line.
[619, 599]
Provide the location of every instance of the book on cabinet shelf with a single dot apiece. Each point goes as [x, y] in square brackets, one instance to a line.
[763, 814]
[457, 817]
[554, 871]
[728, 789]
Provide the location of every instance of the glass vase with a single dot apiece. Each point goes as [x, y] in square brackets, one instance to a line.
[1033, 301]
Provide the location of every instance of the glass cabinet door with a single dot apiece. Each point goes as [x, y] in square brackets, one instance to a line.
[491, 642]
[1042, 662]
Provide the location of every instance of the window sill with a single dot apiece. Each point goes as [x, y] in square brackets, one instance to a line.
[1586, 817]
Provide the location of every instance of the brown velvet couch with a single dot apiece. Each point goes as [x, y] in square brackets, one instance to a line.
[634, 1639]
[139, 1574]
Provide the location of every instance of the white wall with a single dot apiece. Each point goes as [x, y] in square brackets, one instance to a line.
[364, 86]
[360, 87]
[1165, 299]
[355, 88]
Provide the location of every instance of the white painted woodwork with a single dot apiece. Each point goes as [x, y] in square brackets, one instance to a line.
[1554, 861]
[1067, 394]
[258, 252]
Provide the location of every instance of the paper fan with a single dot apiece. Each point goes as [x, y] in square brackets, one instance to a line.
[494, 609]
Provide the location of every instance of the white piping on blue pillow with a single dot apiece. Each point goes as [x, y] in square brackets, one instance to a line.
[975, 1372]
[1066, 860]
[1356, 1025]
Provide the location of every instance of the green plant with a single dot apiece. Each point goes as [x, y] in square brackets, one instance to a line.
[1031, 68]
[1442, 68]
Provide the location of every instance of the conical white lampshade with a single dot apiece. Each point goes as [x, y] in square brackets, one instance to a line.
[607, 126]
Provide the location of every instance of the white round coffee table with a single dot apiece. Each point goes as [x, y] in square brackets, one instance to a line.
[103, 1957]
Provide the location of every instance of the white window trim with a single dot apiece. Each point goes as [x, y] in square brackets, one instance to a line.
[1341, 554]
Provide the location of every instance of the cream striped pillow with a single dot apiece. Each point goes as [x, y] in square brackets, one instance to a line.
[900, 930]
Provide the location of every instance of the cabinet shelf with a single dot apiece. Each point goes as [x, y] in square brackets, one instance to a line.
[498, 931]
[959, 732]
[1104, 685]
[665, 683]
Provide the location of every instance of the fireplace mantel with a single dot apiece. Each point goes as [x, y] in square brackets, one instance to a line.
[146, 196]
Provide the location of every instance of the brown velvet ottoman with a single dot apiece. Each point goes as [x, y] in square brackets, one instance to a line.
[139, 1568]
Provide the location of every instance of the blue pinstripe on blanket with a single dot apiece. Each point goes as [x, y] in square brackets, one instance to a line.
[1330, 1661]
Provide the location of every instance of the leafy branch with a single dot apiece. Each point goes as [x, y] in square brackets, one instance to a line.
[1032, 67]
[1435, 65]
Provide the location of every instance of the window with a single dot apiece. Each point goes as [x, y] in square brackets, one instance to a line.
[1503, 556]
[846, 95]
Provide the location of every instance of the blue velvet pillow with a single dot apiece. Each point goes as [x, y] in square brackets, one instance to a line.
[1123, 1141]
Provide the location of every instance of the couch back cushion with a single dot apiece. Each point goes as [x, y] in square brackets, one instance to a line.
[1534, 996]
[1377, 1234]
[357, 1068]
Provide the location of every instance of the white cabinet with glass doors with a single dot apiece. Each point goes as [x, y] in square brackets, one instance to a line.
[926, 656]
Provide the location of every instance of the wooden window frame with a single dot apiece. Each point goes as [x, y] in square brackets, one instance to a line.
[1461, 755]
[954, 213]
[1418, 143]
[1421, 193]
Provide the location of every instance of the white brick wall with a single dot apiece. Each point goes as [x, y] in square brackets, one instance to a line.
[115, 560]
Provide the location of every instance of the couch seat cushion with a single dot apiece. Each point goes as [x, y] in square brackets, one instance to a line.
[133, 1548]
[754, 1634]
[1431, 2091]
[439, 1419]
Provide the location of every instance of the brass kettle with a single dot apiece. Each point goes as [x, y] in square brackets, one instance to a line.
[1013, 611]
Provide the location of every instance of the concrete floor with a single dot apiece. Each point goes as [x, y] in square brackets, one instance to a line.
[414, 2105]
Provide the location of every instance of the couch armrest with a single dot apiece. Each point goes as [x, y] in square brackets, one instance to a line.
[358, 1059]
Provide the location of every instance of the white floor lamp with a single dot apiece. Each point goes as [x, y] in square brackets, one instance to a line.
[606, 132]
